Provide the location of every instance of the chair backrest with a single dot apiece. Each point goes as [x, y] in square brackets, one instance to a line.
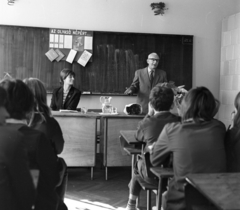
[148, 165]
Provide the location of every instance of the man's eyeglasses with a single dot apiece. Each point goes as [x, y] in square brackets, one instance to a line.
[153, 59]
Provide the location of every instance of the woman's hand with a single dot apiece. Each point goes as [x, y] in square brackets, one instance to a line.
[150, 110]
[150, 147]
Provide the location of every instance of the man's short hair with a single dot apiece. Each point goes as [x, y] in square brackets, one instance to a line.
[161, 98]
[20, 98]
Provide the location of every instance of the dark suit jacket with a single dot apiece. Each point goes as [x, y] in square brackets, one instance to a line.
[150, 127]
[149, 130]
[41, 156]
[71, 101]
[16, 185]
[196, 148]
[142, 86]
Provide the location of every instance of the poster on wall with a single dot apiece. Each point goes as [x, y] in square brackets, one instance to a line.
[69, 39]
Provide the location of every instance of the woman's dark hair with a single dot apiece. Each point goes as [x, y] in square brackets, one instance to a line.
[236, 119]
[20, 98]
[40, 94]
[161, 98]
[64, 74]
[199, 104]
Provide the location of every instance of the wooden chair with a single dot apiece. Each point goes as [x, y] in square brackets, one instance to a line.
[166, 173]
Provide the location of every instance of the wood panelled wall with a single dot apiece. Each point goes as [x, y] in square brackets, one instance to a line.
[116, 56]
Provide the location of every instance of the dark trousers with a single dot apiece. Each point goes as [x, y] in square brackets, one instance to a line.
[139, 171]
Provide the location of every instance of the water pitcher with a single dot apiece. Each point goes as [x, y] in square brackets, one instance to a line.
[106, 104]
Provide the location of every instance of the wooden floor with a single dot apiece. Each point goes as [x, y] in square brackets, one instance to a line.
[84, 193]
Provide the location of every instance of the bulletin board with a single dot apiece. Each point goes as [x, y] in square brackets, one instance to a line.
[63, 40]
[115, 58]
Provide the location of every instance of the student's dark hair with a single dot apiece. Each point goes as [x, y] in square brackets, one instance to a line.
[236, 119]
[3, 97]
[199, 104]
[64, 74]
[20, 98]
[40, 94]
[161, 98]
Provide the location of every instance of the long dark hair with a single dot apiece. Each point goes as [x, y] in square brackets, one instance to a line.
[38, 89]
[199, 104]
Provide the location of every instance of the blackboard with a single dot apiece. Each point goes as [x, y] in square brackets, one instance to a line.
[115, 58]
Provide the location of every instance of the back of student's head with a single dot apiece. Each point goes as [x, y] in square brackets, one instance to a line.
[64, 74]
[20, 98]
[199, 104]
[236, 118]
[38, 89]
[161, 98]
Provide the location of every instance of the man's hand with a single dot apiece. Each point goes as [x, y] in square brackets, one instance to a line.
[128, 92]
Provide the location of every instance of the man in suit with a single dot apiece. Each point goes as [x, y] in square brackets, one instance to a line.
[145, 79]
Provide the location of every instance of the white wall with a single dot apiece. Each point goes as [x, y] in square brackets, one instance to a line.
[230, 66]
[201, 18]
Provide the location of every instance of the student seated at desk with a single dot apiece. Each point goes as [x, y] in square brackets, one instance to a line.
[66, 96]
[160, 102]
[232, 141]
[197, 144]
[16, 185]
[43, 121]
[39, 150]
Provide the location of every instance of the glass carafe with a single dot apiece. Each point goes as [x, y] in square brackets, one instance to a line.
[106, 104]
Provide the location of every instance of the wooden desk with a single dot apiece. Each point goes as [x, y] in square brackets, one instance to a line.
[80, 134]
[222, 190]
[111, 126]
[128, 136]
[161, 173]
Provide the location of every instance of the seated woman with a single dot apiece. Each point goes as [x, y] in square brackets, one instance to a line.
[42, 120]
[197, 144]
[160, 102]
[39, 149]
[66, 96]
[232, 141]
[16, 185]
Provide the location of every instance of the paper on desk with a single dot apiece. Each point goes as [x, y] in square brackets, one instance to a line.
[67, 110]
[84, 58]
[71, 56]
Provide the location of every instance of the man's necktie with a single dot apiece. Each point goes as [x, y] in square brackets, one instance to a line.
[151, 77]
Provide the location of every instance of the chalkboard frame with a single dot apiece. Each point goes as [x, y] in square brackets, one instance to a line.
[116, 57]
